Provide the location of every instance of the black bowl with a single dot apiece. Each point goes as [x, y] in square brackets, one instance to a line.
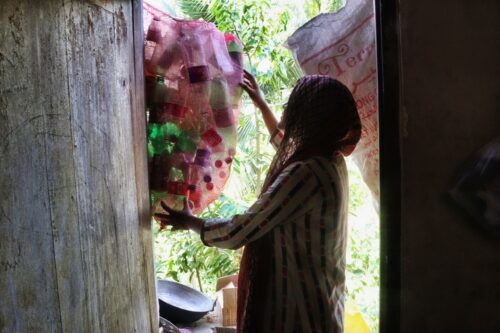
[182, 304]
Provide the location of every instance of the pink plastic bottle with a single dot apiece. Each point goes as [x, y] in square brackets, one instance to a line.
[153, 38]
[211, 137]
[154, 31]
[223, 117]
[220, 103]
[166, 57]
[194, 56]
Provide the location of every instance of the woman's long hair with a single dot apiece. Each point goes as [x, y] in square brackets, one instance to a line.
[320, 118]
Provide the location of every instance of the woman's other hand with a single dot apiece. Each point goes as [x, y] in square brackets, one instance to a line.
[179, 219]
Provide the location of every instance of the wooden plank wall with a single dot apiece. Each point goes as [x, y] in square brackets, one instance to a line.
[450, 108]
[75, 237]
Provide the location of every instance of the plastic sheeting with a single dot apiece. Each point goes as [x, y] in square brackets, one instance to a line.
[193, 101]
[343, 45]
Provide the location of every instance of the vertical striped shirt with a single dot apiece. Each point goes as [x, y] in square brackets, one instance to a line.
[305, 212]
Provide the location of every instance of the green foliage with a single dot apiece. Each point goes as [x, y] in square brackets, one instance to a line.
[334, 5]
[224, 207]
[184, 258]
[363, 249]
[196, 10]
[316, 7]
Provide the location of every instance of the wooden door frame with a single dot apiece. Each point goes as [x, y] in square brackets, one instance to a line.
[388, 58]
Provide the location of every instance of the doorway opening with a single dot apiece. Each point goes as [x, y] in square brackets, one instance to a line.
[263, 26]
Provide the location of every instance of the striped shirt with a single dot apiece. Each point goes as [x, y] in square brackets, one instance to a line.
[305, 212]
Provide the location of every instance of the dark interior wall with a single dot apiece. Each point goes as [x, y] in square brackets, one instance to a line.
[75, 234]
[450, 107]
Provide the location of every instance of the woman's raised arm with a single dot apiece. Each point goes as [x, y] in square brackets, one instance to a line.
[251, 86]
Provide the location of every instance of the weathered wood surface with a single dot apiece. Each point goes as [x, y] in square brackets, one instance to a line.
[75, 240]
[450, 107]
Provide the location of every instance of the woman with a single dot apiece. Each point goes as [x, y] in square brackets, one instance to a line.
[292, 271]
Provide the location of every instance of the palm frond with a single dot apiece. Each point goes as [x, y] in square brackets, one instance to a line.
[196, 9]
[247, 130]
[293, 71]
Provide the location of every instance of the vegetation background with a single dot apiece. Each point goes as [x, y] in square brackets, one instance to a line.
[263, 26]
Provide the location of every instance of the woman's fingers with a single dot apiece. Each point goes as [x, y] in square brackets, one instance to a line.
[167, 208]
[246, 82]
[250, 77]
[187, 206]
[176, 219]
[162, 216]
[250, 81]
[165, 220]
[248, 88]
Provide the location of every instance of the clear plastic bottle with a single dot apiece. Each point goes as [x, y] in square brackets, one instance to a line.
[220, 103]
[229, 135]
[219, 93]
[221, 61]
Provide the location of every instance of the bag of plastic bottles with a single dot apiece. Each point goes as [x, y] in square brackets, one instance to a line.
[342, 45]
[193, 100]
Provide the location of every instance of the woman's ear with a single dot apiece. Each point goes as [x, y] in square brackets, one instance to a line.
[347, 149]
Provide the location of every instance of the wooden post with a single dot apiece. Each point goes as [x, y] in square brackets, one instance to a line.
[75, 236]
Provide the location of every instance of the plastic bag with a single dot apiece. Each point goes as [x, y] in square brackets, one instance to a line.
[343, 45]
[193, 101]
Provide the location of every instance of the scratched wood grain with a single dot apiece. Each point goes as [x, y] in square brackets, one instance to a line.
[75, 240]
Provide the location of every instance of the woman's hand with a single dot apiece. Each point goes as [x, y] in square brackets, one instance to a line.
[179, 219]
[251, 86]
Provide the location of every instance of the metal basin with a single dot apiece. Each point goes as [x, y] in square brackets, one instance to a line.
[182, 304]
